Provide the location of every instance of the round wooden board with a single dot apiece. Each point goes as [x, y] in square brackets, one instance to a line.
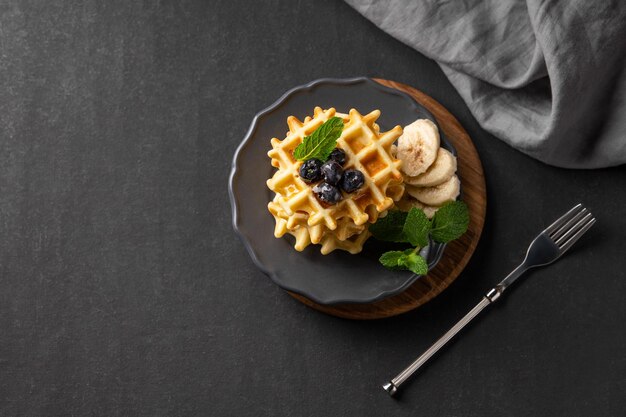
[458, 252]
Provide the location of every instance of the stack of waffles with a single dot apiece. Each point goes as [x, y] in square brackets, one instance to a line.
[343, 225]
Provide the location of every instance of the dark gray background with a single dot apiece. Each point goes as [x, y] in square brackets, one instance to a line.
[125, 292]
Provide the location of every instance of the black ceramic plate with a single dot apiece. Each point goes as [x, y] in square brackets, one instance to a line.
[326, 279]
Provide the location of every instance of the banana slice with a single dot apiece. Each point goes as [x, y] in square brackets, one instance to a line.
[406, 203]
[437, 195]
[439, 172]
[418, 146]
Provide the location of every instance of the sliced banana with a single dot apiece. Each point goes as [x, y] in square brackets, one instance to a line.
[418, 146]
[406, 203]
[437, 195]
[439, 172]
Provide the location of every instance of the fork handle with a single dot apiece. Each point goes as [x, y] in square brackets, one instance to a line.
[392, 386]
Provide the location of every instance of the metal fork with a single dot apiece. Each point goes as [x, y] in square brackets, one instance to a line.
[545, 249]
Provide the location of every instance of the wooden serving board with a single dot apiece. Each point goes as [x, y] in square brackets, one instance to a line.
[458, 253]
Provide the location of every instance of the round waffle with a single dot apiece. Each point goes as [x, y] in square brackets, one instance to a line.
[343, 225]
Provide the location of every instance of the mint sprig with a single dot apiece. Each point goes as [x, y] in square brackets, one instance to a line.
[321, 142]
[407, 259]
[393, 259]
[449, 223]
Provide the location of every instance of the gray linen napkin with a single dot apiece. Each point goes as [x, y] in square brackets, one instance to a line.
[547, 77]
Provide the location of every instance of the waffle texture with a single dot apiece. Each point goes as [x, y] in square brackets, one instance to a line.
[343, 225]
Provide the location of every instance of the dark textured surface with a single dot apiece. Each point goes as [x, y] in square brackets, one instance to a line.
[124, 291]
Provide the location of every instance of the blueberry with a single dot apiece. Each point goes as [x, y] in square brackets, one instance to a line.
[338, 155]
[352, 180]
[332, 171]
[327, 193]
[310, 171]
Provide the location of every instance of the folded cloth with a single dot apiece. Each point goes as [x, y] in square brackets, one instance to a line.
[547, 77]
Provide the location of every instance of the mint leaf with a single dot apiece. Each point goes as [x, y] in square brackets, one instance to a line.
[450, 222]
[407, 259]
[390, 228]
[416, 227]
[415, 263]
[393, 259]
[321, 142]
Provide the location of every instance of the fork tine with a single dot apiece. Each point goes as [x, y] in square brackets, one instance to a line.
[567, 226]
[572, 230]
[569, 242]
[561, 220]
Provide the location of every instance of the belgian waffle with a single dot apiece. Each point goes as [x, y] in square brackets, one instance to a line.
[296, 209]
